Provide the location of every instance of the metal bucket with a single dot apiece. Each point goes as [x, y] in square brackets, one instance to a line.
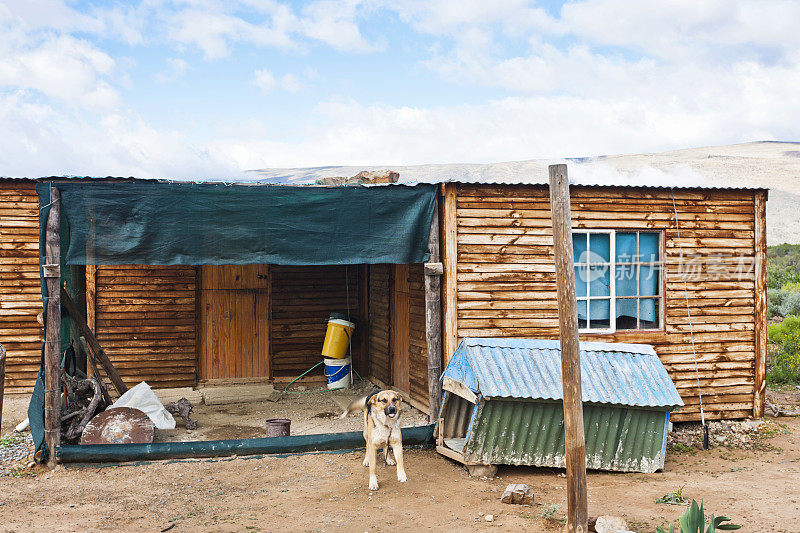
[278, 427]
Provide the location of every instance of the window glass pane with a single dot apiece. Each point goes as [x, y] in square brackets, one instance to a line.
[579, 247]
[580, 281]
[582, 314]
[626, 280]
[600, 247]
[626, 247]
[599, 280]
[649, 313]
[626, 313]
[648, 247]
[599, 314]
[648, 280]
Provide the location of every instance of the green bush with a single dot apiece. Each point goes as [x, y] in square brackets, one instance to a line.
[791, 286]
[782, 302]
[784, 360]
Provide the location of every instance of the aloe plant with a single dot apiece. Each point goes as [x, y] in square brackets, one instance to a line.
[694, 521]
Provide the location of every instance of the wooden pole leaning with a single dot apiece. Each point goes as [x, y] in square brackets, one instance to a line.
[52, 329]
[433, 318]
[577, 511]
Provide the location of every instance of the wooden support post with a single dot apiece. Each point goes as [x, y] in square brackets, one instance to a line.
[450, 262]
[433, 319]
[2, 380]
[52, 328]
[577, 512]
[94, 344]
[760, 382]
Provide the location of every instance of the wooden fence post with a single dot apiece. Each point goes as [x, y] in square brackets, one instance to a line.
[577, 512]
[2, 380]
[52, 329]
[433, 318]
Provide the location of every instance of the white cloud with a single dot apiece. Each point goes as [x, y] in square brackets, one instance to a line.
[175, 68]
[334, 23]
[264, 80]
[63, 68]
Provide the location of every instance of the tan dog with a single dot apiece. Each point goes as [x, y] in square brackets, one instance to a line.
[382, 410]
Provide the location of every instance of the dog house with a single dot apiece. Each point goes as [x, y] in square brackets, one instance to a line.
[503, 405]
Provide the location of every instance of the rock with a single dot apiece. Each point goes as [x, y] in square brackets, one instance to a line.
[488, 471]
[517, 493]
[489, 518]
[610, 524]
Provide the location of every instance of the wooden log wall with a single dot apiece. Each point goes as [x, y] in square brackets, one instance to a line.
[379, 318]
[303, 297]
[418, 343]
[145, 319]
[20, 292]
[505, 278]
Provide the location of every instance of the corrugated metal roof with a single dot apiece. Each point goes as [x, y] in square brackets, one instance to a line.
[623, 374]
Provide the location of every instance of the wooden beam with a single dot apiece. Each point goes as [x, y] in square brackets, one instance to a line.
[433, 319]
[52, 328]
[450, 262]
[94, 344]
[2, 379]
[577, 511]
[91, 296]
[760, 303]
[363, 319]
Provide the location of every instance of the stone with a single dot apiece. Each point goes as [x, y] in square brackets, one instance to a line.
[610, 524]
[517, 493]
[488, 471]
[489, 518]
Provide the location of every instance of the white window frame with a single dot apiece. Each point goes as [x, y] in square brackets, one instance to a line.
[612, 264]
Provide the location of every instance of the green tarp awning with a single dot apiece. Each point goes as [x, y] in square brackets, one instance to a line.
[168, 223]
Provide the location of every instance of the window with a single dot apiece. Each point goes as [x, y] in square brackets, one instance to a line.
[619, 290]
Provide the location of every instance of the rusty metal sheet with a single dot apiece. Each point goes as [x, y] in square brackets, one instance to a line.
[119, 425]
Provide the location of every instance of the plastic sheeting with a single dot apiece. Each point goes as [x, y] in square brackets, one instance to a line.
[162, 223]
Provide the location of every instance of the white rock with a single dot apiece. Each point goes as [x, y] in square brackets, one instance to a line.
[489, 518]
[610, 524]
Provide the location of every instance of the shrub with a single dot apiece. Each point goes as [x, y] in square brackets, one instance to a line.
[774, 300]
[782, 302]
[791, 286]
[784, 361]
[790, 304]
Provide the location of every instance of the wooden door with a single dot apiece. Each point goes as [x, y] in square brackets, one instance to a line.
[234, 321]
[400, 326]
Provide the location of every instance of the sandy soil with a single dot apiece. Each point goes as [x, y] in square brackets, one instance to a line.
[327, 492]
[310, 410]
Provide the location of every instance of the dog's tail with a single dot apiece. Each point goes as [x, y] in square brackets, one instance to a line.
[356, 405]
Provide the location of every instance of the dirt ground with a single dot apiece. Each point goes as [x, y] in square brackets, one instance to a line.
[757, 487]
[311, 411]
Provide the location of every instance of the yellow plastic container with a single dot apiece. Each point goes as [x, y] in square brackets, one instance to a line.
[337, 338]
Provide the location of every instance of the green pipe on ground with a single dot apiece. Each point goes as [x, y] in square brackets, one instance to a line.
[351, 440]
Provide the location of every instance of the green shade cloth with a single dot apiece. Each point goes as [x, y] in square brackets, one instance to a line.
[167, 223]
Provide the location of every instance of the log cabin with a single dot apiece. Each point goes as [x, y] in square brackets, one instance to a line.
[682, 269]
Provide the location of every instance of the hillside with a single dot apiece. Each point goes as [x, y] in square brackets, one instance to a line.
[769, 164]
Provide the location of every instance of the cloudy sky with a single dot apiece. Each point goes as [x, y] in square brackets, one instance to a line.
[210, 88]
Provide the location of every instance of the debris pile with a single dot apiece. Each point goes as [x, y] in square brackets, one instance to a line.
[84, 399]
[744, 434]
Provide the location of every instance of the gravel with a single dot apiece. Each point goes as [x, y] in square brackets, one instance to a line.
[16, 452]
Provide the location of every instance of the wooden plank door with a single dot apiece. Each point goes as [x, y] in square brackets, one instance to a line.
[234, 321]
[400, 327]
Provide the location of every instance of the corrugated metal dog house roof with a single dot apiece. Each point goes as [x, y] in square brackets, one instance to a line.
[612, 373]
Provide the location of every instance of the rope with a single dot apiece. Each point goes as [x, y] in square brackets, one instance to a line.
[688, 311]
